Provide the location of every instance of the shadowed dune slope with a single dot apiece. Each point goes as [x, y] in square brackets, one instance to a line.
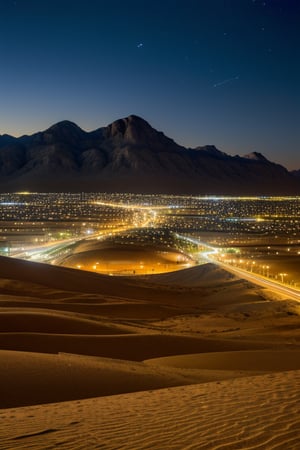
[264, 360]
[33, 378]
[203, 275]
[134, 347]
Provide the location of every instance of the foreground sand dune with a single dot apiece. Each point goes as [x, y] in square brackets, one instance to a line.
[257, 413]
[53, 378]
[70, 335]
[47, 378]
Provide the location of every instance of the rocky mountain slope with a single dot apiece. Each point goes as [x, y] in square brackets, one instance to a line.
[131, 156]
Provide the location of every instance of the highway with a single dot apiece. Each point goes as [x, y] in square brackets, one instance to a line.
[275, 286]
[42, 248]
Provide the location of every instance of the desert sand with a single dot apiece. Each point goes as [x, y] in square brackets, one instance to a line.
[195, 359]
[258, 412]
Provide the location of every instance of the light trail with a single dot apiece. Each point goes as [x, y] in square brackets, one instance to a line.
[40, 252]
[254, 278]
[135, 207]
[43, 247]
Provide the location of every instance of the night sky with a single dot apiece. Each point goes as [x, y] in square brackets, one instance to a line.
[222, 72]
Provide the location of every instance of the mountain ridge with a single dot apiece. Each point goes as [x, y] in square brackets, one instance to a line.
[130, 155]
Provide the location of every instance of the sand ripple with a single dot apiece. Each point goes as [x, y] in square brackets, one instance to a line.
[258, 413]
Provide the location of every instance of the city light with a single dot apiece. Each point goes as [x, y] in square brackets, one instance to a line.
[255, 235]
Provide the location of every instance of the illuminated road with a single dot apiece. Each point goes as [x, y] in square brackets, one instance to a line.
[254, 278]
[138, 207]
[43, 248]
[39, 250]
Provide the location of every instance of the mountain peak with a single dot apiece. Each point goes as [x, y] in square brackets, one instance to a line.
[212, 150]
[137, 131]
[63, 125]
[64, 131]
[131, 128]
[6, 139]
[256, 156]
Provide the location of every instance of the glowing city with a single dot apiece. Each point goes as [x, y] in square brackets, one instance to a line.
[130, 234]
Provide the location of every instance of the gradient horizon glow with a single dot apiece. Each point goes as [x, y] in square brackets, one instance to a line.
[222, 72]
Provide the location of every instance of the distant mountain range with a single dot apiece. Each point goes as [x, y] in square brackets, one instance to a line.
[131, 156]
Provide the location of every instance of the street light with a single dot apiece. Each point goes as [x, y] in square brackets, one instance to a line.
[282, 276]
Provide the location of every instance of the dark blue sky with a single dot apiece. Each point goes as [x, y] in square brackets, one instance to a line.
[223, 72]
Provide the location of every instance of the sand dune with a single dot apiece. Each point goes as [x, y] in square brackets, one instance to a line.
[142, 334]
[258, 413]
[141, 287]
[134, 347]
[251, 360]
[204, 275]
[53, 378]
[48, 378]
[36, 321]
